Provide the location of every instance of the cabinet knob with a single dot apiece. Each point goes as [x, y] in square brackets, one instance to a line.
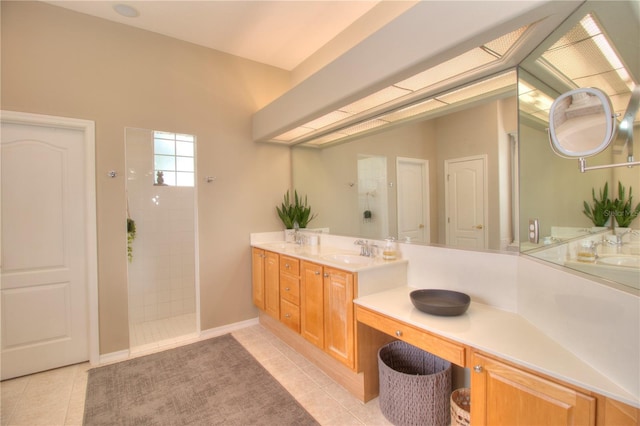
[317, 272]
[286, 265]
[477, 369]
[287, 315]
[326, 275]
[398, 333]
[286, 289]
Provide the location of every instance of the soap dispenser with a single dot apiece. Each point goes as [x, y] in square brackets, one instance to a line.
[390, 249]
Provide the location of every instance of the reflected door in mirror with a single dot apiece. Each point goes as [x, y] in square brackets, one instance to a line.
[465, 199]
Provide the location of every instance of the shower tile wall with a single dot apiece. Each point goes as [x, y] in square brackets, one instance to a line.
[162, 272]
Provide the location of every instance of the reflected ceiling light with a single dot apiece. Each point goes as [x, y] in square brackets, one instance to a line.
[493, 86]
[583, 57]
[391, 98]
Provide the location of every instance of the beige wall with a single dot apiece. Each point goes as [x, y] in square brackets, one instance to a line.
[63, 63]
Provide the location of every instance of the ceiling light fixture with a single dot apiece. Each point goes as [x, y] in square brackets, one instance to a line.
[400, 99]
[126, 10]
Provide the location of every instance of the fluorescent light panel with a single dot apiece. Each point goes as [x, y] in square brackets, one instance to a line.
[585, 57]
[455, 67]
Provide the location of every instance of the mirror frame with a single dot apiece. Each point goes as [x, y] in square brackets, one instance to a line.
[557, 109]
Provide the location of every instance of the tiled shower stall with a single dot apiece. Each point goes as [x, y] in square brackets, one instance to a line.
[161, 271]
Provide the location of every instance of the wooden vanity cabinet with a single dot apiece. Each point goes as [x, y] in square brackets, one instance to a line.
[257, 277]
[503, 394]
[265, 281]
[326, 310]
[312, 303]
[339, 336]
[290, 292]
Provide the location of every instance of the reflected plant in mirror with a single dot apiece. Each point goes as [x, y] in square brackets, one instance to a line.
[600, 211]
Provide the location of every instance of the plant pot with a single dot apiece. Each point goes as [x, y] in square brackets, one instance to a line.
[290, 235]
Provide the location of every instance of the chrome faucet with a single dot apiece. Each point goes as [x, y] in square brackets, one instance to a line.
[365, 250]
[618, 237]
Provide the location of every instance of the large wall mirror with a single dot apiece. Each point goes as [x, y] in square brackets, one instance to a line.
[596, 47]
[470, 175]
[443, 179]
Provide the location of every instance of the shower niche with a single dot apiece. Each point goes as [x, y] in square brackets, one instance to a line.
[162, 207]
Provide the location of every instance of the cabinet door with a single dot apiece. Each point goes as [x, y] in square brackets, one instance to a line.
[272, 284]
[312, 304]
[338, 315]
[290, 315]
[505, 395]
[257, 276]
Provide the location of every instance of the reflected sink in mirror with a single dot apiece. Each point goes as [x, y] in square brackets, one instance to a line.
[349, 259]
[620, 260]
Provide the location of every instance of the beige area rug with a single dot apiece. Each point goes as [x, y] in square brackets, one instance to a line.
[213, 382]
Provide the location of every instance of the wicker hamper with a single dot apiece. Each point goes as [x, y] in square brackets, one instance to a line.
[460, 407]
[415, 386]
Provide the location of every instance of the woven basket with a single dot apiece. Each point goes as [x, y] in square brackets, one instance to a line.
[461, 407]
[414, 385]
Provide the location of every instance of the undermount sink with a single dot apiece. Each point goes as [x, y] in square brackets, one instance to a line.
[621, 260]
[349, 259]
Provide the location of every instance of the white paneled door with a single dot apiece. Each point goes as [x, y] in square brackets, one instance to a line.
[413, 200]
[47, 251]
[465, 202]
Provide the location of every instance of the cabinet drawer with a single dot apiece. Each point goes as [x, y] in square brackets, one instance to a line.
[290, 315]
[290, 288]
[414, 336]
[290, 265]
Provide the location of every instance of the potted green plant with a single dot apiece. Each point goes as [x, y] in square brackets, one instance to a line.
[622, 208]
[131, 235]
[295, 211]
[600, 211]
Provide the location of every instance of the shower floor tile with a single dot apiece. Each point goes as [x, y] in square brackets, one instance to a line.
[168, 331]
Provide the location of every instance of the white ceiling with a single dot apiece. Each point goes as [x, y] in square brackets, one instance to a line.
[278, 33]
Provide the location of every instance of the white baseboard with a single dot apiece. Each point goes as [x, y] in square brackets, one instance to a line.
[219, 331]
[125, 354]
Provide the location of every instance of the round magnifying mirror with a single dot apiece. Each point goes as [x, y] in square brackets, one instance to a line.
[581, 123]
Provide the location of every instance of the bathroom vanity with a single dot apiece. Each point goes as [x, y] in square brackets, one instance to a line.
[337, 309]
[509, 360]
[305, 295]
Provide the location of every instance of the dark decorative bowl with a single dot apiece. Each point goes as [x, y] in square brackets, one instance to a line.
[445, 303]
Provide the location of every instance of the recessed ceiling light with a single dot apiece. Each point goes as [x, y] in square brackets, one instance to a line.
[126, 10]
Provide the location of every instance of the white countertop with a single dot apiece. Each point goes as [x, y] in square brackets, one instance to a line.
[321, 254]
[503, 334]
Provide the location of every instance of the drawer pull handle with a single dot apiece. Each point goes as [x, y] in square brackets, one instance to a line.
[398, 333]
[287, 315]
[477, 369]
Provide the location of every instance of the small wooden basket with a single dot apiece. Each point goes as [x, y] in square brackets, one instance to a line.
[461, 407]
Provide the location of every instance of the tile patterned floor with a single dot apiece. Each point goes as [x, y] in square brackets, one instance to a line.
[56, 397]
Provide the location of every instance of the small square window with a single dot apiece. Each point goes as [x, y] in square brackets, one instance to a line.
[174, 159]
